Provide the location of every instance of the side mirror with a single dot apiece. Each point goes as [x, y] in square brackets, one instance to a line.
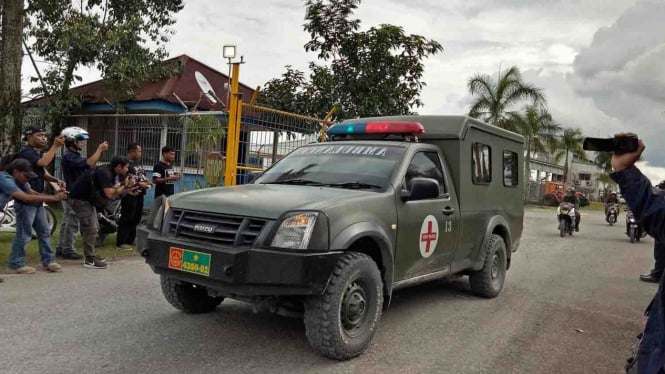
[252, 175]
[421, 189]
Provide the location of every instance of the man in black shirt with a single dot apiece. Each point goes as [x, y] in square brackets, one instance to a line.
[132, 204]
[101, 184]
[163, 174]
[34, 152]
[571, 197]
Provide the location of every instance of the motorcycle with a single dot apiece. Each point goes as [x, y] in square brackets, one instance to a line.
[634, 228]
[566, 215]
[8, 218]
[108, 218]
[611, 214]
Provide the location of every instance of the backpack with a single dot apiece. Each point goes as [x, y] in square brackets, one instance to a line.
[97, 198]
[7, 159]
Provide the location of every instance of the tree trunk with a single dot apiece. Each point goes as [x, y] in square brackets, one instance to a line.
[10, 73]
[565, 170]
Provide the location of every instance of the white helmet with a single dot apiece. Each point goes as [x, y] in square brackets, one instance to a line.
[74, 133]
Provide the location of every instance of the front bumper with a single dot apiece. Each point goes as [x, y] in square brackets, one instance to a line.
[242, 271]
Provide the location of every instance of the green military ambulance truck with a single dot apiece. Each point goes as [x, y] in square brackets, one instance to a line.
[334, 228]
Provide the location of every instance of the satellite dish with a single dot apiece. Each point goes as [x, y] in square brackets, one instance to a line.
[206, 87]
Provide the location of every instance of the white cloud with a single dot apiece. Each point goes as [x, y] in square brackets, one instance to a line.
[599, 62]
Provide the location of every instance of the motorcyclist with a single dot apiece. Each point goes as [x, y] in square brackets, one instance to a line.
[612, 199]
[571, 197]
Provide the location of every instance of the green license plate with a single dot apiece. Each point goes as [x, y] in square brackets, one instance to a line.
[189, 261]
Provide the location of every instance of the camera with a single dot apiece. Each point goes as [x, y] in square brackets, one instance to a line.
[619, 144]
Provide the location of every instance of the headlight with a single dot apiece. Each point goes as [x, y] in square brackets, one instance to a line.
[295, 231]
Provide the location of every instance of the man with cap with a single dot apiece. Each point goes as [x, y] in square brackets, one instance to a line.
[34, 152]
[29, 214]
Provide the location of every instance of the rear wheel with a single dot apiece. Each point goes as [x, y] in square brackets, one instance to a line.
[488, 281]
[188, 297]
[341, 322]
[549, 200]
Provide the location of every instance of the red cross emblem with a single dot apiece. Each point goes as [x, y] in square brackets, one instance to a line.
[428, 237]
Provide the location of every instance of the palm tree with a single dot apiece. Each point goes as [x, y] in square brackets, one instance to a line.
[536, 125]
[604, 161]
[570, 143]
[494, 98]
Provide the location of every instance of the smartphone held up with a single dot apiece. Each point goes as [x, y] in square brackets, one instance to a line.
[617, 144]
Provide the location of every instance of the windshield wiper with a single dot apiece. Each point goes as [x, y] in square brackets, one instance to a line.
[301, 182]
[355, 185]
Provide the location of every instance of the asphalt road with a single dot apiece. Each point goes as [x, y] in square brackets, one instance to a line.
[570, 305]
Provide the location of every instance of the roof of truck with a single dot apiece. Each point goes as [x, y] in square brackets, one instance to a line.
[446, 127]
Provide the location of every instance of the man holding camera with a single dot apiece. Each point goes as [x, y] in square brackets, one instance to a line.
[648, 205]
[132, 204]
[93, 189]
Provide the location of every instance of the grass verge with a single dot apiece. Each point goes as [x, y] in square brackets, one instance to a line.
[32, 251]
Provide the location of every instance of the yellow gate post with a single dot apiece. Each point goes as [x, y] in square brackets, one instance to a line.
[232, 136]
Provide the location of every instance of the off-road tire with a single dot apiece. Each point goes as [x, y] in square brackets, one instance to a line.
[488, 281]
[326, 331]
[188, 297]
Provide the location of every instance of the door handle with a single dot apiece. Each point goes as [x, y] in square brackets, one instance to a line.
[448, 211]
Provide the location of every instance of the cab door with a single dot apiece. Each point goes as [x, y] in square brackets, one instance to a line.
[426, 229]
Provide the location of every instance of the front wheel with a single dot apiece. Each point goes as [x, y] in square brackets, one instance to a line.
[562, 227]
[188, 297]
[51, 219]
[488, 281]
[632, 235]
[341, 322]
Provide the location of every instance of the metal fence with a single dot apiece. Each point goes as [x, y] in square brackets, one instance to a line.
[265, 136]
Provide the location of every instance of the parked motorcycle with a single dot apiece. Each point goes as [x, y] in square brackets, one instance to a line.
[634, 228]
[108, 218]
[8, 218]
[612, 213]
[566, 215]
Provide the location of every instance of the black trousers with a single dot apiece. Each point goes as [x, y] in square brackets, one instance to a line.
[131, 212]
[659, 256]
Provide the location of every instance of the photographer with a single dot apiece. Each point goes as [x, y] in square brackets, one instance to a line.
[648, 205]
[132, 204]
[93, 189]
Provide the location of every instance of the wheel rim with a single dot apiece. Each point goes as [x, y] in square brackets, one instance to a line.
[354, 308]
[496, 271]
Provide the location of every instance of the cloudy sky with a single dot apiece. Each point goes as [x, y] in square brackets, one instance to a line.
[599, 62]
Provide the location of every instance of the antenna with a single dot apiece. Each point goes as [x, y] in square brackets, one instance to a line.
[206, 87]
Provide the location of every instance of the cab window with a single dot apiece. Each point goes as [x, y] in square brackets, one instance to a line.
[510, 172]
[426, 165]
[481, 163]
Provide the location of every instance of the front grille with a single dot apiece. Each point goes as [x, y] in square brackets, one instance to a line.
[222, 229]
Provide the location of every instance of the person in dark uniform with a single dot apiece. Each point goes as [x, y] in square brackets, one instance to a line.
[658, 255]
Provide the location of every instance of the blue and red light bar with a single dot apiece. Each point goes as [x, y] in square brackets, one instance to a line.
[386, 127]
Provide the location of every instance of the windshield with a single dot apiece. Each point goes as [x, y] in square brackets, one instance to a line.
[357, 166]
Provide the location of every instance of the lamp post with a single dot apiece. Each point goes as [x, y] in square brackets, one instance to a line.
[229, 53]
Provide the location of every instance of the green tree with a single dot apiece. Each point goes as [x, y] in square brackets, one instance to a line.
[204, 135]
[110, 35]
[537, 126]
[570, 144]
[362, 73]
[604, 161]
[494, 99]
